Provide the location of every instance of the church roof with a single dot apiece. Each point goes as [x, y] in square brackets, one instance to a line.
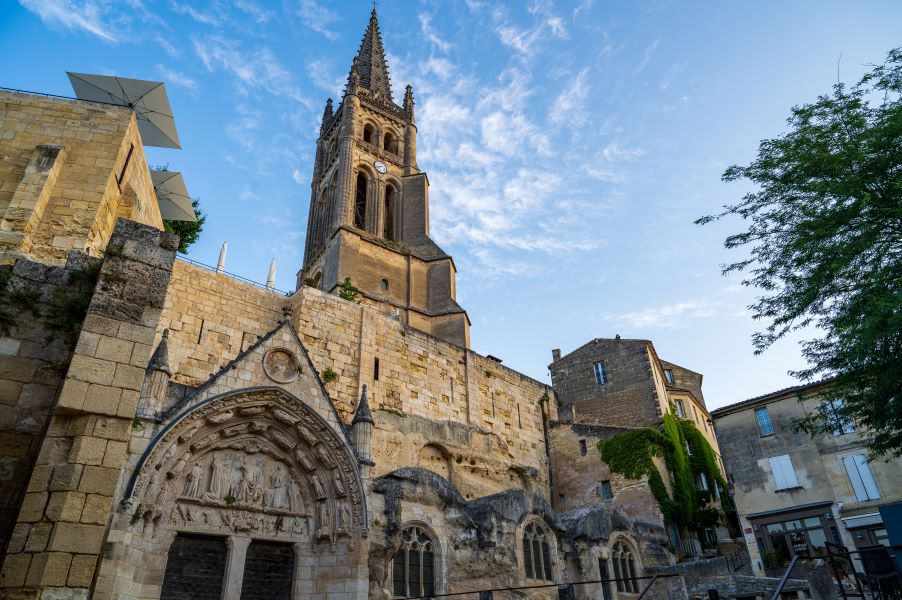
[370, 61]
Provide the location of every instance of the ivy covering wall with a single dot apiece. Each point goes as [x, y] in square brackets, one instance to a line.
[686, 454]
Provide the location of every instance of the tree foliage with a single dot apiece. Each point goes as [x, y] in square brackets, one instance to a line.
[188, 231]
[825, 241]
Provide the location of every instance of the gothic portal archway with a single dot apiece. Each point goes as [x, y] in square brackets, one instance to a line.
[254, 466]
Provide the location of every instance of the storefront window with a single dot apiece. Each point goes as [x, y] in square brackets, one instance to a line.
[806, 535]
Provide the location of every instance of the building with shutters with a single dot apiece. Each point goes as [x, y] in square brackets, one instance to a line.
[794, 492]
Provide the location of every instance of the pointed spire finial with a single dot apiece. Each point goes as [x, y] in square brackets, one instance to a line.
[271, 277]
[408, 102]
[160, 359]
[370, 62]
[363, 414]
[220, 265]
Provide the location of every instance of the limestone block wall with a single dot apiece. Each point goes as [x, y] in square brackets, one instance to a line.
[631, 398]
[61, 525]
[39, 307]
[213, 317]
[68, 170]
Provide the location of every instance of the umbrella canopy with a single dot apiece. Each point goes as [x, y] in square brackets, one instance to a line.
[172, 196]
[148, 99]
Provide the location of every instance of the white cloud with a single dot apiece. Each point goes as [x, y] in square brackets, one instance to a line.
[176, 78]
[317, 18]
[256, 12]
[201, 16]
[568, 105]
[668, 315]
[92, 17]
[257, 69]
[323, 75]
[646, 57]
[431, 34]
[613, 152]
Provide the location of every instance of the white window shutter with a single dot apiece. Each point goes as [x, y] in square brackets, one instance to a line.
[867, 478]
[854, 477]
[784, 474]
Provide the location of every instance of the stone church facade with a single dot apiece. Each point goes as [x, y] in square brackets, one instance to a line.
[197, 436]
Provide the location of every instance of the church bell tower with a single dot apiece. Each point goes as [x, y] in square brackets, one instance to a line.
[369, 205]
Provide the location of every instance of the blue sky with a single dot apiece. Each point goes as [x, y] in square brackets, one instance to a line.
[569, 145]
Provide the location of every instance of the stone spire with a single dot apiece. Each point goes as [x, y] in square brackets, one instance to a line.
[160, 359]
[370, 61]
[363, 414]
[327, 116]
[362, 435]
[408, 102]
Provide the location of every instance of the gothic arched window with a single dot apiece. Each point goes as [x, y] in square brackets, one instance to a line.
[368, 134]
[624, 568]
[389, 229]
[388, 142]
[360, 202]
[413, 570]
[537, 552]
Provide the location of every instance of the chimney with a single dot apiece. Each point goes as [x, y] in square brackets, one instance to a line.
[556, 354]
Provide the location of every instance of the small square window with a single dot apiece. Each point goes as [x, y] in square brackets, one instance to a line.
[582, 447]
[601, 374]
[605, 491]
[668, 374]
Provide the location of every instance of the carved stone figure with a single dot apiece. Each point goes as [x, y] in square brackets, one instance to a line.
[277, 483]
[338, 483]
[193, 481]
[324, 457]
[344, 516]
[245, 492]
[179, 465]
[318, 490]
[214, 490]
[322, 515]
[295, 504]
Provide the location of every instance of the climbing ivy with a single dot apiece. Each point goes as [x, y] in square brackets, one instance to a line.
[632, 455]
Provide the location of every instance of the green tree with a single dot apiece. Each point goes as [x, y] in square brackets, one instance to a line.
[188, 231]
[824, 233]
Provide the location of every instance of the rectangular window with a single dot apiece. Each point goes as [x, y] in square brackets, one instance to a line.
[668, 375]
[784, 474]
[860, 476]
[701, 482]
[376, 369]
[605, 491]
[839, 423]
[604, 576]
[767, 428]
[582, 447]
[601, 375]
[679, 408]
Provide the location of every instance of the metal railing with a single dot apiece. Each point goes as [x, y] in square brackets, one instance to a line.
[488, 594]
[232, 275]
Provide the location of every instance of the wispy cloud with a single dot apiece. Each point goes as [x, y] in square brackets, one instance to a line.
[568, 105]
[322, 73]
[646, 57]
[258, 69]
[179, 79]
[254, 10]
[318, 18]
[204, 17]
[88, 16]
[431, 34]
[668, 315]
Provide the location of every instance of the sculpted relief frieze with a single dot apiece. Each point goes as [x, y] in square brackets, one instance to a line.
[260, 463]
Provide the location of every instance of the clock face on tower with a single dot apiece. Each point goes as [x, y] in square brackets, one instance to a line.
[380, 167]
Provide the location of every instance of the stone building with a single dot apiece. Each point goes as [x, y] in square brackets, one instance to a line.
[610, 386]
[794, 492]
[184, 434]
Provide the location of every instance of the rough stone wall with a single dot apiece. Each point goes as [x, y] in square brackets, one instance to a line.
[50, 205]
[577, 477]
[479, 541]
[61, 526]
[683, 378]
[40, 305]
[629, 399]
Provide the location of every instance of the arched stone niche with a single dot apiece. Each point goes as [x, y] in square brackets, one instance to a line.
[259, 464]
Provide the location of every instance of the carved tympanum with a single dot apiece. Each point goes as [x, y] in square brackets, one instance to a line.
[260, 462]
